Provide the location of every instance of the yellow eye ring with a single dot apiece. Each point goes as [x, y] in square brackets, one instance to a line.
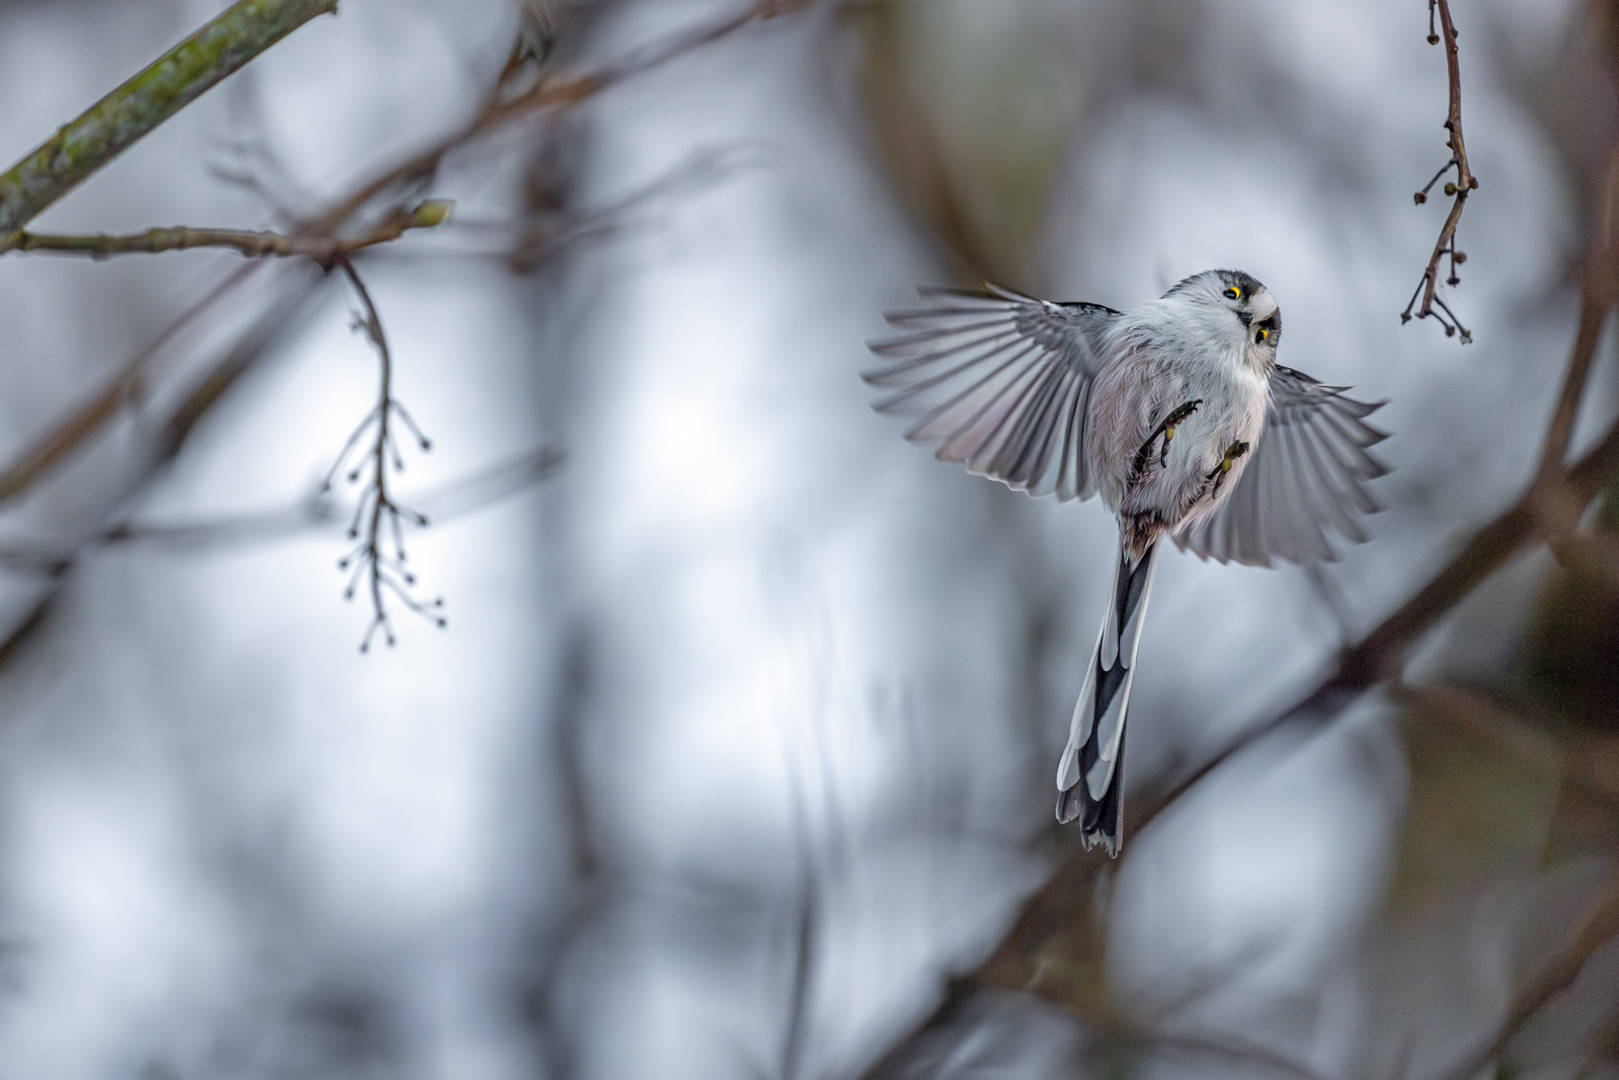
[1263, 334]
[1234, 293]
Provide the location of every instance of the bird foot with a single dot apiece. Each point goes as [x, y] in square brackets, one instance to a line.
[1218, 474]
[1166, 431]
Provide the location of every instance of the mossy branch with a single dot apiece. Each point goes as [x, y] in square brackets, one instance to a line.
[118, 120]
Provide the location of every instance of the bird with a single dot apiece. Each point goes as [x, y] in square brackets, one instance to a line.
[1175, 413]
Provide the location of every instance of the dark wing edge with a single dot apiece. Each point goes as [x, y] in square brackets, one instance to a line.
[1000, 381]
[1307, 479]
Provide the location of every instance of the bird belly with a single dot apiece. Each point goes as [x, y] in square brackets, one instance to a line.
[1164, 488]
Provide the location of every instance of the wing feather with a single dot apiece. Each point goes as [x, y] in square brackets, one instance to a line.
[1307, 479]
[999, 382]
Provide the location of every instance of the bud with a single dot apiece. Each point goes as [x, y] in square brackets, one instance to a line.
[430, 214]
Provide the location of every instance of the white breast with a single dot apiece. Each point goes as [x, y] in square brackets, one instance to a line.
[1164, 355]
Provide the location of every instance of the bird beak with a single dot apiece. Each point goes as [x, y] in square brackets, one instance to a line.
[1264, 308]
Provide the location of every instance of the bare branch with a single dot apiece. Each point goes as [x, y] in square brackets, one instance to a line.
[325, 250]
[124, 116]
[1464, 184]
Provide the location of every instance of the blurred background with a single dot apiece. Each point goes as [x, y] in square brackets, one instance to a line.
[734, 759]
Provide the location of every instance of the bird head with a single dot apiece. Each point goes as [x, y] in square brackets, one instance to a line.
[1253, 310]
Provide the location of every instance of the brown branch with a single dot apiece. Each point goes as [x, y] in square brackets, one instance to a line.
[1599, 288]
[1464, 184]
[325, 249]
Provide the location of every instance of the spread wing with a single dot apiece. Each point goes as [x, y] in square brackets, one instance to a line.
[1001, 381]
[1308, 476]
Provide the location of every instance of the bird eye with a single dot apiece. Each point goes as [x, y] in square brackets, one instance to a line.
[1262, 335]
[1233, 293]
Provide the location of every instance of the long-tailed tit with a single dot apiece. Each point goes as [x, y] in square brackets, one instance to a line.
[1176, 412]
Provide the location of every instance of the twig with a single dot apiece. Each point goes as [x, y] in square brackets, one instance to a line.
[324, 249]
[1464, 184]
[118, 120]
[378, 512]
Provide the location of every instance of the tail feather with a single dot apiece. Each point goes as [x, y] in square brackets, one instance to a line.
[1090, 776]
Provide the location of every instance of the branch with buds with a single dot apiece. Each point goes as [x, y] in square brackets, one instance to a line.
[1432, 305]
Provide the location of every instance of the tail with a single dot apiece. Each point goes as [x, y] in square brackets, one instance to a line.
[1090, 776]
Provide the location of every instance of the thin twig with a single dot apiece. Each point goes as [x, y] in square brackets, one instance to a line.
[324, 249]
[1464, 184]
[379, 517]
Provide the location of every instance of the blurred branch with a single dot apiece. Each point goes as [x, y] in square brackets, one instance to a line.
[1600, 282]
[446, 502]
[226, 371]
[326, 250]
[1229, 1048]
[55, 446]
[1464, 184]
[1600, 927]
[124, 116]
[1472, 712]
[503, 107]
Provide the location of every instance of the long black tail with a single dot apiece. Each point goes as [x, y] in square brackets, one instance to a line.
[1090, 776]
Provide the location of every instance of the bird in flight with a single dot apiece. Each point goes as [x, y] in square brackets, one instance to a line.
[1175, 412]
